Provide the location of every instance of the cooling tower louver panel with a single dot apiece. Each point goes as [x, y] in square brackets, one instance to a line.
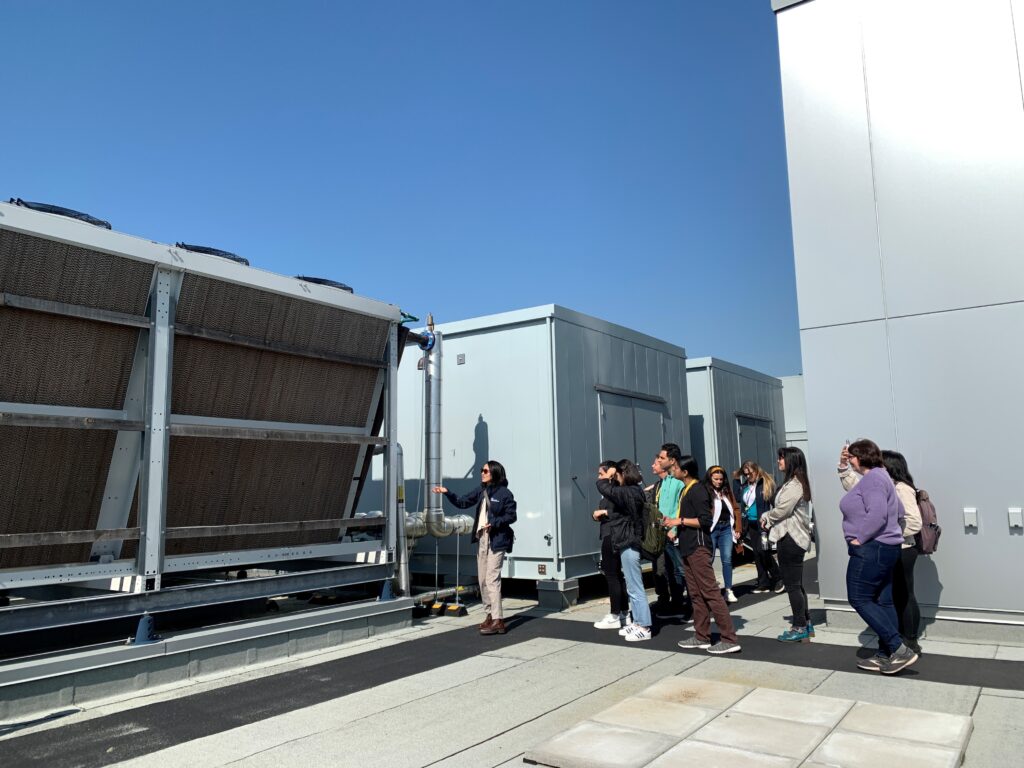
[281, 482]
[51, 480]
[215, 379]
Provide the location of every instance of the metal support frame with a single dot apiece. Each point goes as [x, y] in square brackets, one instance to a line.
[156, 440]
[390, 428]
[115, 606]
[139, 459]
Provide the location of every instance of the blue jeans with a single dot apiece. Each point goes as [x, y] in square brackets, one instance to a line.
[721, 542]
[869, 589]
[677, 560]
[635, 587]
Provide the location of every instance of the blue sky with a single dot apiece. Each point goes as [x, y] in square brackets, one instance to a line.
[624, 159]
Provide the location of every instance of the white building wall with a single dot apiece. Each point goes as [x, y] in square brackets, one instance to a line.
[905, 141]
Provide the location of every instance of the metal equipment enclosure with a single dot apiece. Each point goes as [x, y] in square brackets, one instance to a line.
[549, 393]
[905, 139]
[166, 414]
[735, 414]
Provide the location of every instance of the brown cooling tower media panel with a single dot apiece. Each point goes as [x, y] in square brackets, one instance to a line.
[223, 380]
[229, 482]
[46, 269]
[51, 480]
[63, 361]
[257, 314]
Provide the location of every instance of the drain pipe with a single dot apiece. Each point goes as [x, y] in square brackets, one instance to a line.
[433, 521]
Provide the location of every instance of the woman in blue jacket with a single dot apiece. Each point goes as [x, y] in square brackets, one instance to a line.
[492, 532]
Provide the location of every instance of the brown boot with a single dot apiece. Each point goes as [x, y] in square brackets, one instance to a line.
[497, 628]
[487, 622]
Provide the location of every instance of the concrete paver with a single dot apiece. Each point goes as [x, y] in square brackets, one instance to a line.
[665, 717]
[936, 728]
[698, 693]
[758, 674]
[998, 738]
[767, 735]
[857, 750]
[598, 745]
[901, 691]
[695, 753]
[798, 707]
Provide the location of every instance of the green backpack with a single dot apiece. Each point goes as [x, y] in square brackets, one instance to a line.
[654, 535]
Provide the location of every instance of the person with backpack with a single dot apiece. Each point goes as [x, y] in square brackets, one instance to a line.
[789, 525]
[611, 566]
[725, 525]
[756, 493]
[693, 519]
[669, 581]
[872, 515]
[623, 487]
[908, 613]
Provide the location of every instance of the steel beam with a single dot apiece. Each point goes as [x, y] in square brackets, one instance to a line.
[390, 428]
[250, 342]
[156, 441]
[251, 557]
[66, 417]
[72, 310]
[20, 618]
[315, 435]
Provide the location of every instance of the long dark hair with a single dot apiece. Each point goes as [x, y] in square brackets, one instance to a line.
[796, 466]
[896, 465]
[726, 489]
[629, 472]
[498, 476]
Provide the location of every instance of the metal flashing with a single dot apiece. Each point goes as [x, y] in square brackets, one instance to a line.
[781, 5]
[542, 312]
[61, 229]
[703, 363]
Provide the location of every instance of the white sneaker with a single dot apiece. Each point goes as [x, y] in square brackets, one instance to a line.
[625, 630]
[638, 634]
[611, 621]
[730, 597]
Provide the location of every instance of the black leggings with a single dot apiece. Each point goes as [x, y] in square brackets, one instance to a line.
[611, 567]
[791, 563]
[907, 610]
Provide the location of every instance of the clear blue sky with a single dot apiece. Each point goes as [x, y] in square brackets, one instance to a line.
[624, 159]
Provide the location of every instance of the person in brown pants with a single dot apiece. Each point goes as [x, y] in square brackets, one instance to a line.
[694, 518]
[493, 535]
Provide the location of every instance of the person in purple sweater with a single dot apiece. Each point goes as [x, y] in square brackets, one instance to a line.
[871, 525]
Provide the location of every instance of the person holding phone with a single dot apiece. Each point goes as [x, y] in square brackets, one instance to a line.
[611, 564]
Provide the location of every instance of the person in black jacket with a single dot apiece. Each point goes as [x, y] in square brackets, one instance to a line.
[755, 491]
[611, 567]
[694, 518]
[492, 528]
[623, 488]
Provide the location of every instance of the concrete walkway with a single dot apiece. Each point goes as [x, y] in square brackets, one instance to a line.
[453, 698]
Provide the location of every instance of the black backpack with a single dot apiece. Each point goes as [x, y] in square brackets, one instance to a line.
[927, 539]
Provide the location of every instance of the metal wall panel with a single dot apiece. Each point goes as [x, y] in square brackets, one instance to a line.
[848, 395]
[939, 378]
[830, 186]
[957, 395]
[947, 133]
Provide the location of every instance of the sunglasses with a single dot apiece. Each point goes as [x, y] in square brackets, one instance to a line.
[485, 469]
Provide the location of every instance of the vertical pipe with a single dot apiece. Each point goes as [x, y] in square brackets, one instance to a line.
[402, 551]
[434, 504]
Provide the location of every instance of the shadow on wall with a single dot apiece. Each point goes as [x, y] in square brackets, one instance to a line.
[697, 447]
[927, 586]
[416, 492]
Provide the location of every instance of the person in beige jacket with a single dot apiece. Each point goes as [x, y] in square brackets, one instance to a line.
[907, 610]
[789, 525]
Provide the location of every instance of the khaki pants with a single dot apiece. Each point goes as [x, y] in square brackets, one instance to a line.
[488, 570]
